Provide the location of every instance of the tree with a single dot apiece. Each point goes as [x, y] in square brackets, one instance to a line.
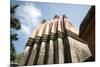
[15, 24]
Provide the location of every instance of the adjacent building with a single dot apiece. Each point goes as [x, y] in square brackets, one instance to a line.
[87, 31]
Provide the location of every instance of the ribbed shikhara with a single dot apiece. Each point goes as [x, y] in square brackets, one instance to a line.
[55, 42]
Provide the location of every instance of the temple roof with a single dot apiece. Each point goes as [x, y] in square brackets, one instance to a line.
[55, 42]
[57, 24]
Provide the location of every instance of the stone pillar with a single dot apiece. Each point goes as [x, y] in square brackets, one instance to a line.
[60, 41]
[36, 47]
[29, 46]
[44, 44]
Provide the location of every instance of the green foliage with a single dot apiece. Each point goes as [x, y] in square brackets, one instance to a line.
[12, 9]
[12, 53]
[15, 24]
[18, 57]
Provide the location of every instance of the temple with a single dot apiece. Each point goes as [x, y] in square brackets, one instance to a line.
[55, 42]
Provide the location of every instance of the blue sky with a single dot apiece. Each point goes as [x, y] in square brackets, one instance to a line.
[74, 12]
[30, 14]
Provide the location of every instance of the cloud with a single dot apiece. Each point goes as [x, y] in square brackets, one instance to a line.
[25, 29]
[28, 16]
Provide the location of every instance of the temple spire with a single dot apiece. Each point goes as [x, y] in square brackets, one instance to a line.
[55, 42]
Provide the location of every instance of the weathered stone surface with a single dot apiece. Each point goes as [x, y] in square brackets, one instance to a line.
[51, 52]
[79, 51]
[54, 45]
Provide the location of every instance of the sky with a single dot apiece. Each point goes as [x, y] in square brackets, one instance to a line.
[30, 14]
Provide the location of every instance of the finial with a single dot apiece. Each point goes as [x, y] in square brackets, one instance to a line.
[56, 16]
[64, 16]
[44, 21]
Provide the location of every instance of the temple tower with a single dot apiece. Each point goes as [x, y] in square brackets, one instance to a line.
[55, 42]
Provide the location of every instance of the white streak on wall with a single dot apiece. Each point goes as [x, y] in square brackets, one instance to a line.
[51, 52]
[61, 52]
[41, 53]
